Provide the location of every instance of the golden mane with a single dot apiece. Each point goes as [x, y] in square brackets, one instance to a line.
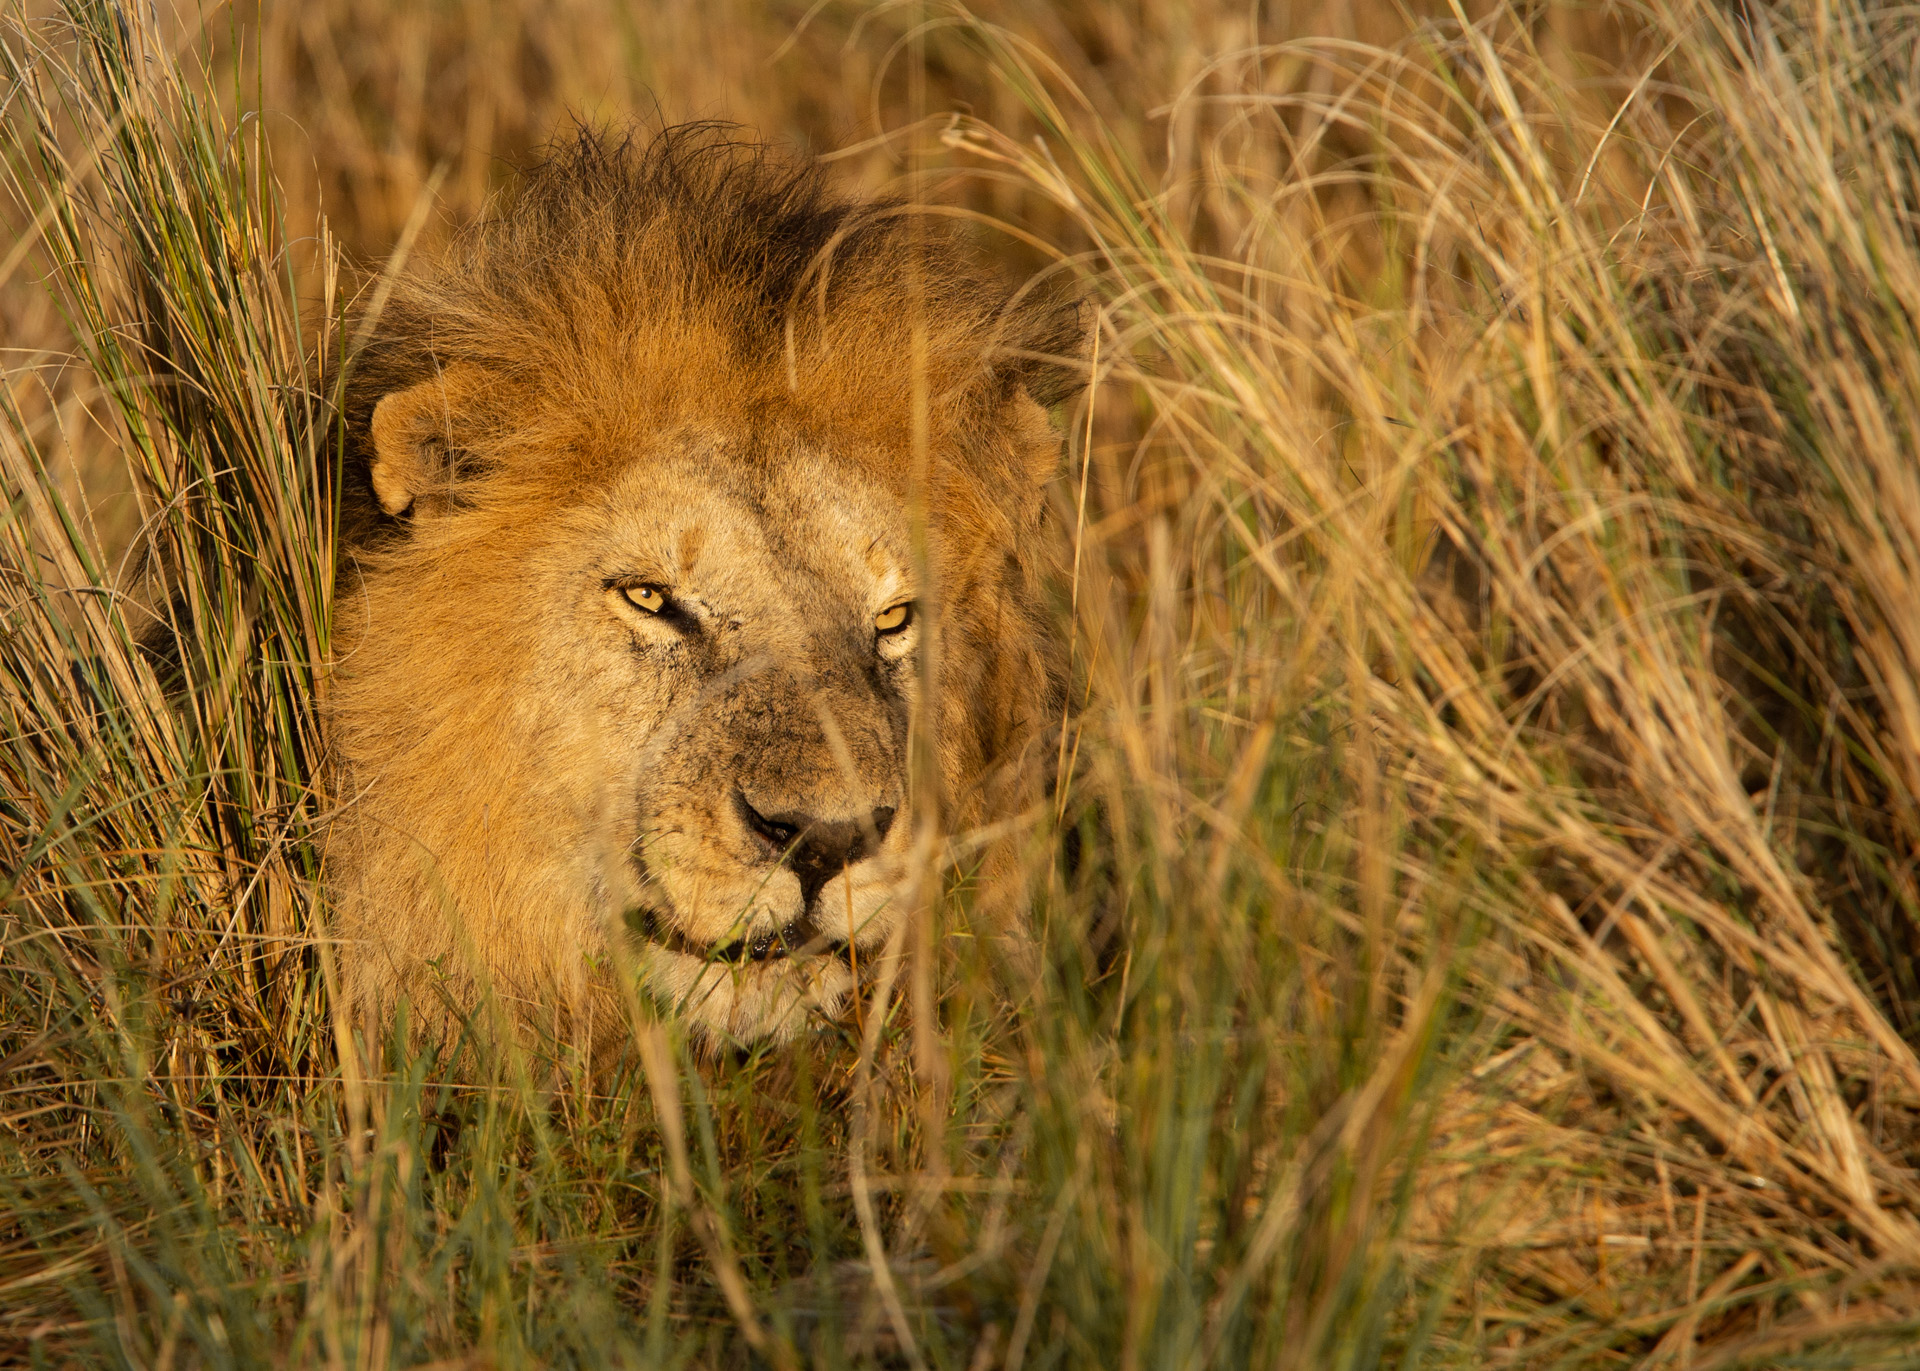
[731, 275]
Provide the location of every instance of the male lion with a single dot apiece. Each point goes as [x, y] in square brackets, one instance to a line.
[631, 632]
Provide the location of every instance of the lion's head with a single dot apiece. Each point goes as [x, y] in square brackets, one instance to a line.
[675, 493]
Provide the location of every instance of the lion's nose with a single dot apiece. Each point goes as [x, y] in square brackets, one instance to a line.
[817, 849]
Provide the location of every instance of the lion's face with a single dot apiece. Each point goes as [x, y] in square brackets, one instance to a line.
[703, 666]
[738, 658]
[635, 625]
[621, 696]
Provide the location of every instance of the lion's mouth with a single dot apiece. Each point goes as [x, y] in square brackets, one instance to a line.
[802, 937]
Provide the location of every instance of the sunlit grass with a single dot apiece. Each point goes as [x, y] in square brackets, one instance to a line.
[1476, 922]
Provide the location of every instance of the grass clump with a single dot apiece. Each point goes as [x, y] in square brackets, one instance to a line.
[1474, 925]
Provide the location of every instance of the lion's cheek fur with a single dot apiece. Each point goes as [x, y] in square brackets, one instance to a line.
[466, 868]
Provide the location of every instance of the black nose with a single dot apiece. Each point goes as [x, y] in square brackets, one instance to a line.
[816, 849]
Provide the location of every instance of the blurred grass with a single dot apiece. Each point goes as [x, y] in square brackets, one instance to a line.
[1487, 934]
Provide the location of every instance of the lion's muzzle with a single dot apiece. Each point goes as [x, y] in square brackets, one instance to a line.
[816, 849]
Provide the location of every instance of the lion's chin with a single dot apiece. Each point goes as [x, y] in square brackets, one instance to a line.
[749, 1001]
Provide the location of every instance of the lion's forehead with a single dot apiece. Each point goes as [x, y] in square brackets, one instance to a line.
[744, 530]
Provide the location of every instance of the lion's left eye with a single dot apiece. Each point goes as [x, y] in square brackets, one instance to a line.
[649, 598]
[894, 620]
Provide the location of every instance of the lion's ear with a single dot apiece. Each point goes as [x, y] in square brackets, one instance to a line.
[417, 436]
[1036, 443]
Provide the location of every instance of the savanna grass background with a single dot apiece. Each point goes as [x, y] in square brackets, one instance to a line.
[1477, 926]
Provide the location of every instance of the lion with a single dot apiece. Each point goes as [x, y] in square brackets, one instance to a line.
[682, 499]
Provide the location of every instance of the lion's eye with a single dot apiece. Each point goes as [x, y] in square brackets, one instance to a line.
[648, 598]
[895, 619]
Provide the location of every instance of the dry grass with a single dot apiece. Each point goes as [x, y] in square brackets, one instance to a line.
[1496, 533]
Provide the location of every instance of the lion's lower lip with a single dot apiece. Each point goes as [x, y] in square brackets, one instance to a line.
[798, 939]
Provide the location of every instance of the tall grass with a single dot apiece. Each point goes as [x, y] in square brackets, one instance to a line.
[1476, 917]
[159, 878]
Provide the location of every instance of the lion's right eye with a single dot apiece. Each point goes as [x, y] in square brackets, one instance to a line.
[893, 620]
[649, 598]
